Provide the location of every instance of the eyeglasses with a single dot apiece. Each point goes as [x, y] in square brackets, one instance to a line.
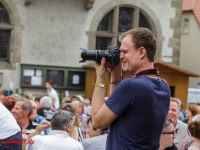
[172, 132]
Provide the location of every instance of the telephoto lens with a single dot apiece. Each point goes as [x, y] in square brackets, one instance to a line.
[111, 55]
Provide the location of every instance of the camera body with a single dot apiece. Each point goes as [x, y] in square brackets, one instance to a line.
[112, 55]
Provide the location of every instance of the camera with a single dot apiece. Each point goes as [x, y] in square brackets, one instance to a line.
[112, 55]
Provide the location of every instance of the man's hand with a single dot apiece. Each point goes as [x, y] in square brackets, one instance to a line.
[101, 71]
[116, 70]
[41, 127]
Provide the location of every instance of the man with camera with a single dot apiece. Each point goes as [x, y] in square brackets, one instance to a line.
[137, 107]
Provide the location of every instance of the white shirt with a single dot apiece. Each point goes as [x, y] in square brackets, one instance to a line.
[54, 94]
[56, 140]
[8, 124]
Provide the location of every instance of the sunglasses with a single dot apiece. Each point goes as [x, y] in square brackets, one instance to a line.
[172, 132]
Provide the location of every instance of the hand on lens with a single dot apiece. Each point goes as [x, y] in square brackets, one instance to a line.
[117, 69]
[101, 70]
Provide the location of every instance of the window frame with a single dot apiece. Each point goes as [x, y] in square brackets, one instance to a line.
[44, 73]
[10, 27]
[115, 34]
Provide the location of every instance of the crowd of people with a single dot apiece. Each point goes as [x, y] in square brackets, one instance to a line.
[127, 119]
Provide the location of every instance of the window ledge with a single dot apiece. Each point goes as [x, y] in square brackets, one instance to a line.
[7, 65]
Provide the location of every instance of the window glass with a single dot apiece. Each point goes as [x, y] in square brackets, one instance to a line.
[119, 20]
[4, 43]
[56, 76]
[32, 77]
[3, 14]
[106, 22]
[125, 19]
[143, 22]
[4, 34]
[76, 79]
[102, 43]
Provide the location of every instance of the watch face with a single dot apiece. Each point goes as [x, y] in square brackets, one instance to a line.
[101, 85]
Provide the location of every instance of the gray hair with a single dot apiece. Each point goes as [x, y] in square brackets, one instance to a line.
[17, 96]
[178, 101]
[167, 123]
[26, 105]
[60, 120]
[45, 101]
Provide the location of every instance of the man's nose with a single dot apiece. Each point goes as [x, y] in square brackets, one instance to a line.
[121, 55]
[170, 111]
[174, 135]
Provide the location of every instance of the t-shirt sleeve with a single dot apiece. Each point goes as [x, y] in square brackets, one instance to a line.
[121, 98]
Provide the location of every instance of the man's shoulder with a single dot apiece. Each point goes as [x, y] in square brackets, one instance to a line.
[95, 142]
[95, 139]
[182, 124]
[53, 91]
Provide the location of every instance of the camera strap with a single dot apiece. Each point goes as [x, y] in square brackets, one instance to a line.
[147, 72]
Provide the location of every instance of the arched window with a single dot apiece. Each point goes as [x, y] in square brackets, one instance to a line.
[119, 20]
[5, 33]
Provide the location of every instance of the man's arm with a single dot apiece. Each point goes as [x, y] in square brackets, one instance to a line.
[102, 116]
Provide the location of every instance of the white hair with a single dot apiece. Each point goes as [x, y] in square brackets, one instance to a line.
[46, 101]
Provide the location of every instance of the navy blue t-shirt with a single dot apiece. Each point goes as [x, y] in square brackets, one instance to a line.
[141, 105]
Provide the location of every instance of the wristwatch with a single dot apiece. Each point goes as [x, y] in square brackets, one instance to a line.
[99, 85]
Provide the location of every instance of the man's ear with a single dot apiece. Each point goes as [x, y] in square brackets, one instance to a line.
[68, 128]
[26, 112]
[143, 52]
[98, 130]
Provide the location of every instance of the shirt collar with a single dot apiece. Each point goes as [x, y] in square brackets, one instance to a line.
[31, 125]
[59, 132]
[177, 126]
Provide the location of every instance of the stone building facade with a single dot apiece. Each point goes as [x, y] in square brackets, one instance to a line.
[48, 34]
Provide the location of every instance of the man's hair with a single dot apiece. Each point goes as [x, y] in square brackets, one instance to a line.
[50, 82]
[60, 120]
[103, 131]
[46, 101]
[37, 99]
[142, 37]
[16, 96]
[178, 101]
[67, 99]
[26, 105]
[69, 107]
[167, 123]
[27, 96]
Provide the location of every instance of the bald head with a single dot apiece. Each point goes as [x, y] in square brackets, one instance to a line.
[86, 102]
[78, 106]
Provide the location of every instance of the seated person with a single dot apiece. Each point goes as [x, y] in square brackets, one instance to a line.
[97, 138]
[167, 136]
[77, 134]
[62, 124]
[46, 108]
